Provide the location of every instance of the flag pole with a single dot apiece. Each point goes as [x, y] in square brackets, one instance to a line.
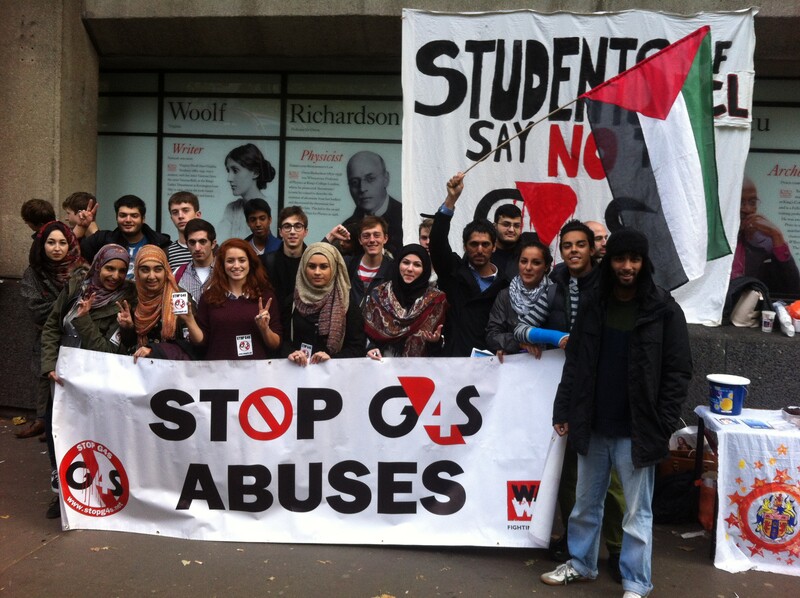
[528, 128]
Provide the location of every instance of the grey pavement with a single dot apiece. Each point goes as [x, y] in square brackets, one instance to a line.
[37, 559]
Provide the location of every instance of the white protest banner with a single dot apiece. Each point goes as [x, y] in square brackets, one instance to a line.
[472, 81]
[403, 451]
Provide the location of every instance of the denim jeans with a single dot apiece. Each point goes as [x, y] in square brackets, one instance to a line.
[594, 473]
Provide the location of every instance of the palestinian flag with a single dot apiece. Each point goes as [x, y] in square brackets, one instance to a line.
[654, 129]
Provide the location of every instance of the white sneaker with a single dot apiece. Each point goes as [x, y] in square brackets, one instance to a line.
[629, 594]
[562, 575]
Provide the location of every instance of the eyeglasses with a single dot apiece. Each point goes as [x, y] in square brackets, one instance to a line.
[287, 226]
[508, 224]
[368, 236]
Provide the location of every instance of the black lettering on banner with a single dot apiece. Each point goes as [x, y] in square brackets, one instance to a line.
[457, 82]
[340, 481]
[719, 55]
[388, 486]
[477, 49]
[651, 47]
[592, 73]
[185, 421]
[380, 425]
[476, 135]
[623, 45]
[287, 488]
[474, 417]
[219, 400]
[114, 476]
[733, 97]
[199, 473]
[503, 102]
[87, 476]
[562, 47]
[537, 72]
[525, 492]
[238, 489]
[307, 415]
[432, 480]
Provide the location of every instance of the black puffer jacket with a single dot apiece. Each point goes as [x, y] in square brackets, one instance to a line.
[659, 370]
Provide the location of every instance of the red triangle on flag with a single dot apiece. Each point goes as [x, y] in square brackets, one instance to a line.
[651, 86]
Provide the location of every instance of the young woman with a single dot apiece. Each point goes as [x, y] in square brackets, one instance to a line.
[85, 315]
[152, 329]
[248, 174]
[322, 323]
[238, 316]
[54, 255]
[404, 316]
[534, 261]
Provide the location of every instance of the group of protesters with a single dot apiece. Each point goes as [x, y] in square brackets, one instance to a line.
[134, 291]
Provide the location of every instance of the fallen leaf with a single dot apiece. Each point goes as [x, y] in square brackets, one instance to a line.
[324, 562]
[530, 562]
[199, 562]
[185, 563]
[98, 548]
[271, 578]
[19, 420]
[5, 516]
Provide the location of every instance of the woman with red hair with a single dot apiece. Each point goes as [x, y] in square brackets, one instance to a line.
[238, 316]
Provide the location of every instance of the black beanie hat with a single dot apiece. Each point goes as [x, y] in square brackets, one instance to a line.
[627, 240]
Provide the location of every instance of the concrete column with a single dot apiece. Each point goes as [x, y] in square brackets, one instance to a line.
[49, 73]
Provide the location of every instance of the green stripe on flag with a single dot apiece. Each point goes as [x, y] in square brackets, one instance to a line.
[698, 95]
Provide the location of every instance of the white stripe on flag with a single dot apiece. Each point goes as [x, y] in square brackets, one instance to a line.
[679, 178]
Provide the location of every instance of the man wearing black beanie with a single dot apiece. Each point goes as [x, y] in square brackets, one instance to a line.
[629, 329]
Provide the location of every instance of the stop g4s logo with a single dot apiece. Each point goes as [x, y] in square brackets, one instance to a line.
[394, 411]
[419, 392]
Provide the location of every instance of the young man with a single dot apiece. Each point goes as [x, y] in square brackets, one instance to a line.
[556, 310]
[259, 218]
[368, 181]
[425, 233]
[201, 238]
[508, 224]
[600, 238]
[626, 375]
[371, 268]
[36, 213]
[131, 233]
[182, 206]
[282, 264]
[472, 282]
[76, 203]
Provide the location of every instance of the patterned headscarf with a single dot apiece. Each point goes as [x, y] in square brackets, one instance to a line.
[398, 311]
[330, 302]
[103, 296]
[153, 306]
[56, 272]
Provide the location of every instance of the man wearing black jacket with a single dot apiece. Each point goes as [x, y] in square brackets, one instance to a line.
[633, 331]
[472, 282]
[131, 232]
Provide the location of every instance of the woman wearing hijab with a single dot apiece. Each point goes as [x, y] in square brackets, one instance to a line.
[55, 253]
[404, 316]
[322, 323]
[85, 315]
[152, 329]
[238, 316]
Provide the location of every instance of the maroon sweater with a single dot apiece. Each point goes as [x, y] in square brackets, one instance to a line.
[222, 324]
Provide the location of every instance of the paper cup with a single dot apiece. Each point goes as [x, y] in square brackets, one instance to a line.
[767, 320]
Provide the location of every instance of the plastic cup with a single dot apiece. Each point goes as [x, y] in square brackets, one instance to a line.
[767, 320]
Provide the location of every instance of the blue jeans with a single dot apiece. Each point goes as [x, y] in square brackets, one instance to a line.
[594, 473]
